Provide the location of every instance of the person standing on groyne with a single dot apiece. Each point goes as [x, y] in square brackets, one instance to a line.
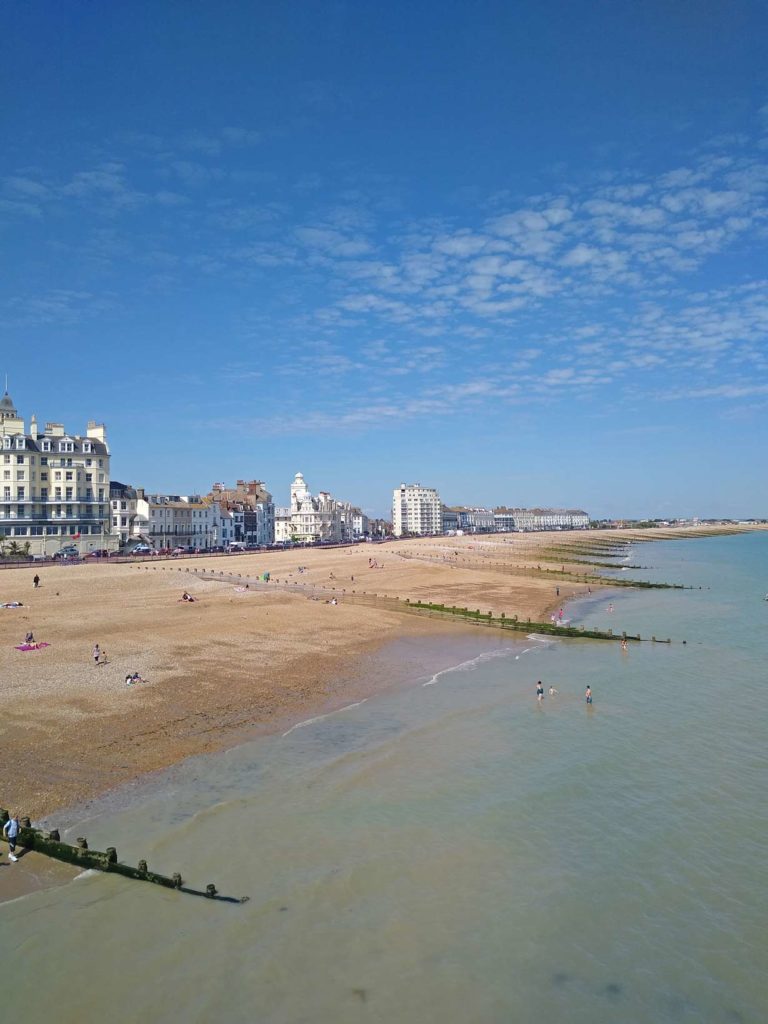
[11, 833]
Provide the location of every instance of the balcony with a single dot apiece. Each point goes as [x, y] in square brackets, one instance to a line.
[40, 517]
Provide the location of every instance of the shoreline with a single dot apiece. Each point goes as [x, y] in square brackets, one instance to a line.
[399, 663]
[252, 664]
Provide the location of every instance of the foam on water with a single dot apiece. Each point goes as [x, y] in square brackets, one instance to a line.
[469, 664]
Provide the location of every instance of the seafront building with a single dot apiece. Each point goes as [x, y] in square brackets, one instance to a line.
[474, 520]
[175, 520]
[251, 509]
[510, 520]
[123, 504]
[416, 510]
[55, 486]
[318, 518]
[361, 524]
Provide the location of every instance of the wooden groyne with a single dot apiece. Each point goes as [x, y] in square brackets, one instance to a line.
[48, 842]
[473, 616]
[526, 625]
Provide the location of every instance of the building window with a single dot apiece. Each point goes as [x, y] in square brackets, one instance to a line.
[86, 446]
[20, 442]
[67, 476]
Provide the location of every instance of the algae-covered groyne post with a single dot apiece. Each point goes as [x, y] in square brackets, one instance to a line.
[49, 842]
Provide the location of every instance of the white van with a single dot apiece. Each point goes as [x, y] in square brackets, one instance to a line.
[236, 545]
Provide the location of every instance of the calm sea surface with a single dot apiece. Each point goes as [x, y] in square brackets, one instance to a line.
[455, 852]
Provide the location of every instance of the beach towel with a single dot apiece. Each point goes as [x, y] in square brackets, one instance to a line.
[31, 647]
[12, 604]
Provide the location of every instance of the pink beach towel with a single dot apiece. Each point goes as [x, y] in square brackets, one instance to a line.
[31, 647]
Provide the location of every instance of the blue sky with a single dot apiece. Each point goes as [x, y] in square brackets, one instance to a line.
[517, 251]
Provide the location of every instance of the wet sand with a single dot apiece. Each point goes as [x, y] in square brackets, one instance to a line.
[233, 662]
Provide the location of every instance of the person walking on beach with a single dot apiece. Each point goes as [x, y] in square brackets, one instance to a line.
[11, 833]
[96, 654]
[539, 691]
[36, 581]
[588, 695]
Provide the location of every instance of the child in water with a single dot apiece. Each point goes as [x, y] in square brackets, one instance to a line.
[588, 695]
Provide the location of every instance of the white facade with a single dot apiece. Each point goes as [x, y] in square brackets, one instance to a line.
[474, 520]
[531, 519]
[361, 524]
[122, 501]
[282, 525]
[171, 520]
[317, 518]
[416, 510]
[55, 486]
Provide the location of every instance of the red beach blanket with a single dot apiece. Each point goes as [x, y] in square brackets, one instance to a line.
[31, 647]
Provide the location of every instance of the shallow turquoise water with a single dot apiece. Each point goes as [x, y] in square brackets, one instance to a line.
[455, 852]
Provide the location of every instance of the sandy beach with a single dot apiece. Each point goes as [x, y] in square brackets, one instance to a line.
[235, 660]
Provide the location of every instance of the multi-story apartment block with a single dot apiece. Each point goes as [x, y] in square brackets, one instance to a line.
[416, 510]
[55, 486]
[450, 520]
[283, 528]
[474, 520]
[172, 520]
[361, 524]
[529, 519]
[252, 509]
[122, 500]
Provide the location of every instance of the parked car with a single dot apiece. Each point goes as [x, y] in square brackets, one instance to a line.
[69, 551]
[141, 549]
[179, 551]
[102, 553]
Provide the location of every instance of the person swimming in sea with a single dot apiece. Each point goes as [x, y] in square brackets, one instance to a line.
[539, 691]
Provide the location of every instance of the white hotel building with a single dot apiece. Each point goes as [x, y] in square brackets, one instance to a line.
[55, 485]
[416, 510]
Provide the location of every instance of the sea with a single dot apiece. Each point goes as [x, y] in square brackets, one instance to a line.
[453, 850]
